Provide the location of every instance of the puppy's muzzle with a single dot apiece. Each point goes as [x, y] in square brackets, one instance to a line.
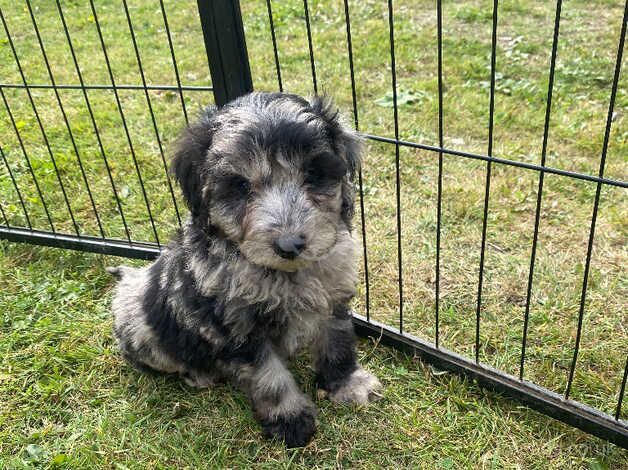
[289, 246]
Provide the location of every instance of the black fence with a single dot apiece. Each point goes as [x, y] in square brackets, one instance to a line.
[34, 218]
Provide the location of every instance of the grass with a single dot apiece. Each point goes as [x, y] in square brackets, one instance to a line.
[69, 401]
[585, 62]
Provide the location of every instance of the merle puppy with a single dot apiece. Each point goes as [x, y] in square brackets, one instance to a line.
[263, 268]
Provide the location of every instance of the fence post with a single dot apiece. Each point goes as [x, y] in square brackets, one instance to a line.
[225, 44]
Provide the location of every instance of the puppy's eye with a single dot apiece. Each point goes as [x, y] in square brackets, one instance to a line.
[240, 185]
[232, 189]
[244, 186]
[325, 170]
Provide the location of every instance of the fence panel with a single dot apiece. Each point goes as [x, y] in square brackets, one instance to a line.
[470, 245]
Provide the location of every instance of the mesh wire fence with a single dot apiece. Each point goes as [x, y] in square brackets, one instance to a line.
[491, 203]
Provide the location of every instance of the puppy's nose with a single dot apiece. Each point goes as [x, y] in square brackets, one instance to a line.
[289, 246]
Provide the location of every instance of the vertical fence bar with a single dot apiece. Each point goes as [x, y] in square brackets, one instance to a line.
[4, 216]
[269, 8]
[622, 390]
[122, 117]
[487, 193]
[93, 121]
[539, 198]
[17, 189]
[596, 204]
[310, 46]
[65, 119]
[439, 36]
[39, 122]
[221, 21]
[356, 123]
[174, 64]
[150, 109]
[28, 162]
[229, 52]
[393, 67]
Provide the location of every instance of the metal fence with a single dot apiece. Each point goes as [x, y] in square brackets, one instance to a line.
[224, 40]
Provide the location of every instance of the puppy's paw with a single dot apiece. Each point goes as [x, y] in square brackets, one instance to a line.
[295, 430]
[360, 387]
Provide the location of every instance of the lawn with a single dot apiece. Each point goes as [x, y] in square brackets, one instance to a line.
[67, 392]
[69, 399]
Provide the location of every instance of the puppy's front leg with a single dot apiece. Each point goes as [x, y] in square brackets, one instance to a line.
[339, 373]
[282, 410]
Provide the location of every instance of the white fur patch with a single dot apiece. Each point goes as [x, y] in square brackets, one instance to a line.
[130, 320]
[361, 387]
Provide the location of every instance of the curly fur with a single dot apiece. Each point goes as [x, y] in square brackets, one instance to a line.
[223, 302]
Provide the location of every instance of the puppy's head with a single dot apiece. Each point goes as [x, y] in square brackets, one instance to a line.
[273, 173]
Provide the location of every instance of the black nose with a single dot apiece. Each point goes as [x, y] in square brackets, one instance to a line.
[289, 246]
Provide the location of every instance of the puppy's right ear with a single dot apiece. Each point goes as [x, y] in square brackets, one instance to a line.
[189, 164]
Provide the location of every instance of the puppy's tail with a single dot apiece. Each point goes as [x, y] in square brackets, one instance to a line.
[117, 271]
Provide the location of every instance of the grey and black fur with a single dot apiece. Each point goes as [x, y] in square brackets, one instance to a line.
[263, 268]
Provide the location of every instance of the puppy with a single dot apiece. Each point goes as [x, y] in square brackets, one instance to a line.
[264, 266]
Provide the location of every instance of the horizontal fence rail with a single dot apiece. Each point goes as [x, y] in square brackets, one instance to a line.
[46, 86]
[539, 398]
[128, 205]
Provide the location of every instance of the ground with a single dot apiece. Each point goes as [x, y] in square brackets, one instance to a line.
[69, 401]
[586, 53]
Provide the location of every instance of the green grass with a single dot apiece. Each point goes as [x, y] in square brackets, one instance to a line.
[68, 398]
[584, 69]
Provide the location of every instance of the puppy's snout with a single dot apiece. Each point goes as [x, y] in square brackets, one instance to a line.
[289, 246]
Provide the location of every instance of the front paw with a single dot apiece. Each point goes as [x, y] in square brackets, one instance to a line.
[295, 430]
[360, 387]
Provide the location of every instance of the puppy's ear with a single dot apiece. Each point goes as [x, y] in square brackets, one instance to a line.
[189, 163]
[347, 144]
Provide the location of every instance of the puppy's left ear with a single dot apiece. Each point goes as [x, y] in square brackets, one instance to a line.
[347, 144]
[189, 163]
